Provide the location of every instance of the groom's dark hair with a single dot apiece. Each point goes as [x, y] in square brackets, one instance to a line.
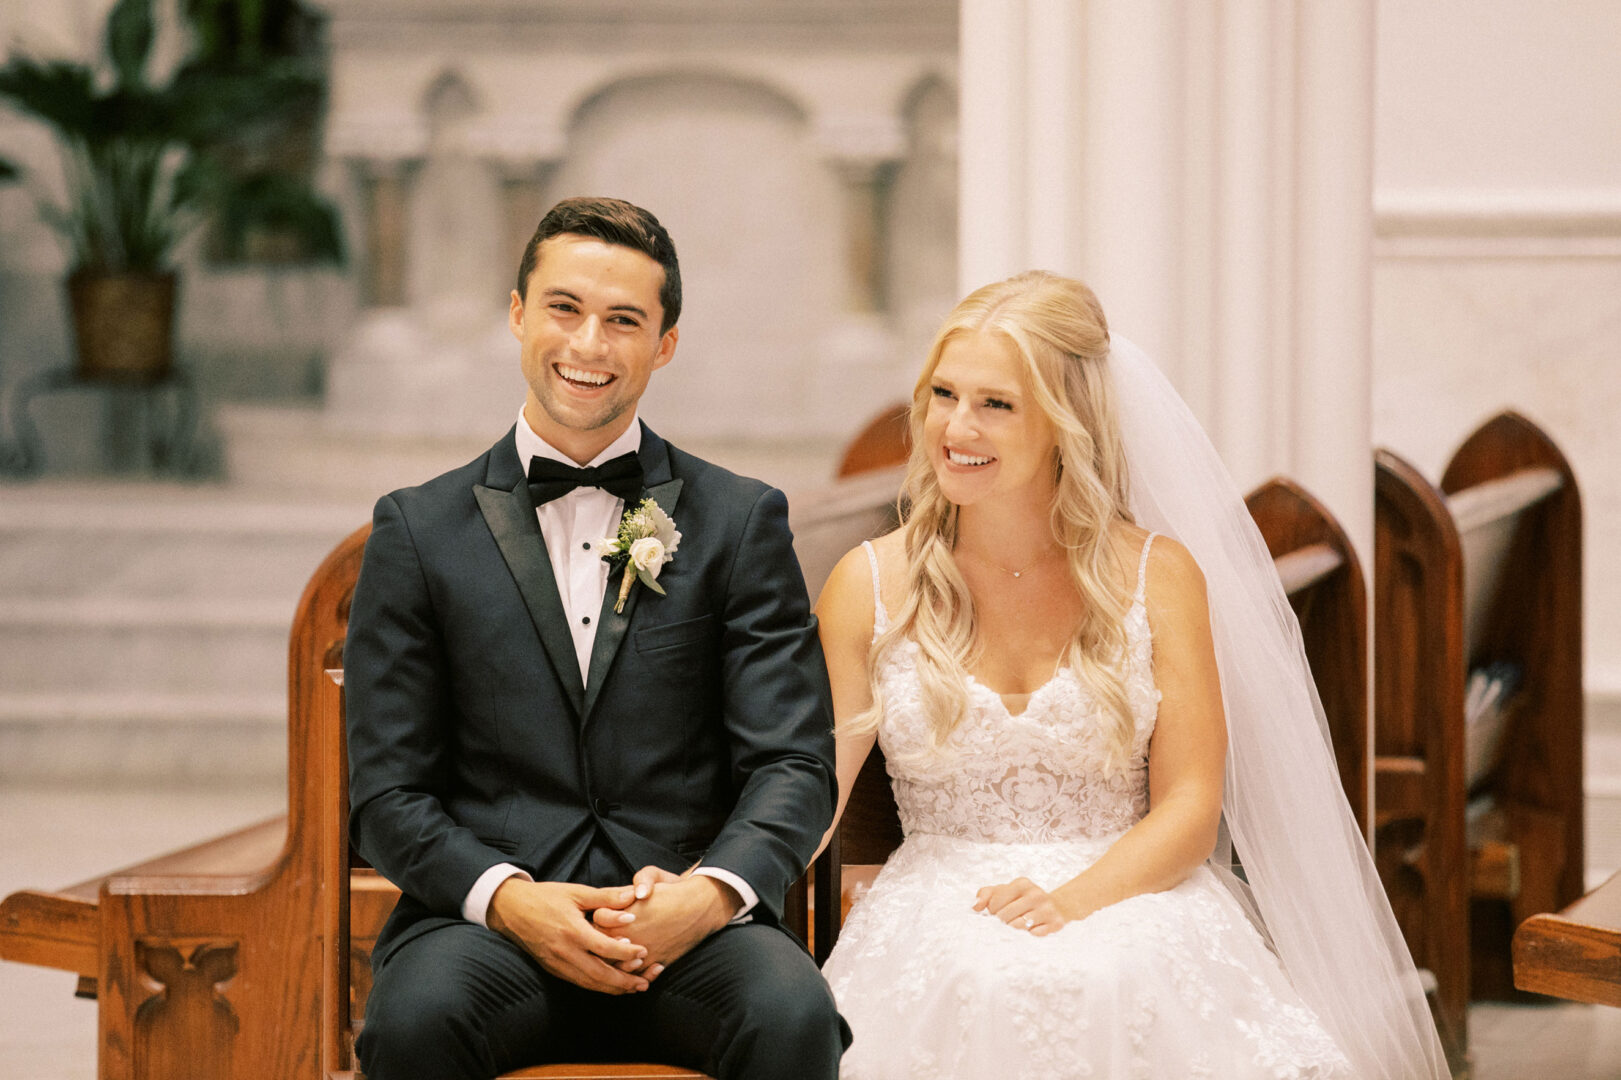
[613, 221]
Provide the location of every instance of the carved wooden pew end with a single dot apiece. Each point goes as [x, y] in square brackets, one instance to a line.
[1478, 712]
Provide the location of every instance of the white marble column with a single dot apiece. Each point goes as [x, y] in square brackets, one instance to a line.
[1333, 414]
[993, 174]
[1206, 168]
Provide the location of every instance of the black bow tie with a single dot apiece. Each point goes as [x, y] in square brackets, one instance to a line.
[551, 479]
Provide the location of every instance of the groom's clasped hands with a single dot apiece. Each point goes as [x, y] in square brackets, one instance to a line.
[613, 940]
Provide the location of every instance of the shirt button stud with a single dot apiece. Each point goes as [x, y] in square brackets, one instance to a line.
[586, 545]
[585, 619]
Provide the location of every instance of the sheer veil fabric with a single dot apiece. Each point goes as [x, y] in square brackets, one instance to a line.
[1312, 890]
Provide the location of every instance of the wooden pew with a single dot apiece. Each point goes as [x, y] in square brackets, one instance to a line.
[1575, 954]
[1323, 580]
[1472, 839]
[203, 962]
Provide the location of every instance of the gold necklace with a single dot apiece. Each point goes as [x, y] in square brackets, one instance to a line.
[1005, 570]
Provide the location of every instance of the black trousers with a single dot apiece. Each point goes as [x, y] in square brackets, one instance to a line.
[464, 1003]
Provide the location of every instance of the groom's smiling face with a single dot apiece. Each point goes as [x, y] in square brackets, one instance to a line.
[589, 326]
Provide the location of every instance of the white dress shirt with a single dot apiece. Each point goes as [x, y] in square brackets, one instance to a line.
[574, 527]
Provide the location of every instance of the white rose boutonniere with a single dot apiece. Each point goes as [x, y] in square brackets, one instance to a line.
[647, 540]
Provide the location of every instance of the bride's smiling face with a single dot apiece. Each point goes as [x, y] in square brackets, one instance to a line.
[986, 435]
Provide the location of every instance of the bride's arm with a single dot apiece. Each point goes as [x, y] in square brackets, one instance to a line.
[1186, 760]
[844, 614]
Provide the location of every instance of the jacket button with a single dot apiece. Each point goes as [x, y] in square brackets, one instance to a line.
[601, 806]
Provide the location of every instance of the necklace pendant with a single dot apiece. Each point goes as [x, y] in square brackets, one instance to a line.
[1018, 573]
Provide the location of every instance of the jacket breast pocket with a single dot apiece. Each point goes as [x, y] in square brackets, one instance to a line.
[678, 648]
[674, 635]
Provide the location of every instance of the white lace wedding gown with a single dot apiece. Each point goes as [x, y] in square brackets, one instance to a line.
[1163, 985]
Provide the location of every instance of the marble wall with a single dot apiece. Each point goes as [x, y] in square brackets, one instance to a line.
[801, 158]
[1497, 275]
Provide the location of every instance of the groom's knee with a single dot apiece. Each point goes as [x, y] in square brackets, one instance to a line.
[453, 1003]
[789, 1014]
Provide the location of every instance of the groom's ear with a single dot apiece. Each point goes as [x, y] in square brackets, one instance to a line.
[515, 315]
[666, 346]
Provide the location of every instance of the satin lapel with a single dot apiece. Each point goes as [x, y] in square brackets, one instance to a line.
[511, 518]
[611, 626]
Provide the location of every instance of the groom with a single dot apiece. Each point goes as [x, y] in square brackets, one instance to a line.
[593, 810]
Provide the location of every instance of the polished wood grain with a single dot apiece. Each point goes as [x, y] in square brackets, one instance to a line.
[1322, 577]
[884, 442]
[217, 974]
[1575, 953]
[1484, 567]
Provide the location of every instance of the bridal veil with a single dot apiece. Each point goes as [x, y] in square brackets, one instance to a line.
[1311, 886]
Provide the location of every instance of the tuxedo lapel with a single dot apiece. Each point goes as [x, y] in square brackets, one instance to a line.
[612, 626]
[510, 515]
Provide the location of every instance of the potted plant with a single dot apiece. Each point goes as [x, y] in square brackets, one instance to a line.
[144, 163]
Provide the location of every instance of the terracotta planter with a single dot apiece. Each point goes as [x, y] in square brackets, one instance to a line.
[123, 325]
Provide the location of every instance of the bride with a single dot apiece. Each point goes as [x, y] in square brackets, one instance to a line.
[1088, 688]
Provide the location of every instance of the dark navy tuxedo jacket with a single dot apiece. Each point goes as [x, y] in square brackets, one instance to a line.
[703, 732]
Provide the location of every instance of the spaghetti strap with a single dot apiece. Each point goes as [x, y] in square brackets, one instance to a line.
[1142, 571]
[880, 620]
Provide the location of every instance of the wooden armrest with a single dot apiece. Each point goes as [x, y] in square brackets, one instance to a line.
[1398, 787]
[61, 928]
[1576, 953]
[55, 930]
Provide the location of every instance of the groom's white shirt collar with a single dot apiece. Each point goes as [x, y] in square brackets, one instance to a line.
[530, 445]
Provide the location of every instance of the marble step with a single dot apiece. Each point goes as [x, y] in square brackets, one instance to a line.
[164, 541]
[141, 645]
[79, 565]
[144, 626]
[141, 737]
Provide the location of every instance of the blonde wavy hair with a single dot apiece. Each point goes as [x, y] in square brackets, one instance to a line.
[1058, 329]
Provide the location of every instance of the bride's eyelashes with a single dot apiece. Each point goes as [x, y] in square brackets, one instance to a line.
[990, 402]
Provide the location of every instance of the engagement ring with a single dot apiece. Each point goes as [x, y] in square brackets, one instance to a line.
[1028, 922]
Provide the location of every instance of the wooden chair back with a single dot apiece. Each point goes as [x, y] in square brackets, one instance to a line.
[1323, 579]
[204, 973]
[1484, 568]
[883, 443]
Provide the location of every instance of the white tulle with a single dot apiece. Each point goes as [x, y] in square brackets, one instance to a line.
[1314, 888]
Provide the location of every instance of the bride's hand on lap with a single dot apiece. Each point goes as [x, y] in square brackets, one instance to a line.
[1023, 905]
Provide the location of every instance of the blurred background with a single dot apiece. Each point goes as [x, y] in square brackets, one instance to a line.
[1342, 225]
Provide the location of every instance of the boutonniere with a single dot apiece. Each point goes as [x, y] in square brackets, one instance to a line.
[647, 540]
